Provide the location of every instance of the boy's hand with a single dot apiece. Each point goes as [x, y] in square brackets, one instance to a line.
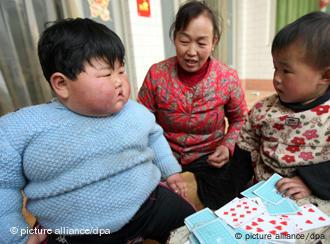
[177, 184]
[293, 187]
[36, 238]
[220, 157]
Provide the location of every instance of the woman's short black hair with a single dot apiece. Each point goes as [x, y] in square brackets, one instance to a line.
[191, 10]
[313, 32]
[68, 44]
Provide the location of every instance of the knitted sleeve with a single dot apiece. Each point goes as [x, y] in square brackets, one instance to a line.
[11, 182]
[164, 157]
[235, 111]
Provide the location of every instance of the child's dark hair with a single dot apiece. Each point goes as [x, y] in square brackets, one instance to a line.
[191, 10]
[313, 32]
[68, 44]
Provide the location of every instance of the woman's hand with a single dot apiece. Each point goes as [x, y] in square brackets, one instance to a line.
[177, 184]
[220, 157]
[293, 187]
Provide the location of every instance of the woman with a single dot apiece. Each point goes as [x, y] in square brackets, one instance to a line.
[190, 95]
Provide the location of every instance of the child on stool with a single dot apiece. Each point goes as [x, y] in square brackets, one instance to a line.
[91, 158]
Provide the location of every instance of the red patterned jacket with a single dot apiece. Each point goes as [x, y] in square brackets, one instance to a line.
[193, 117]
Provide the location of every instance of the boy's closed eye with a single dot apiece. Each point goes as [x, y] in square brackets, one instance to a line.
[103, 75]
[184, 42]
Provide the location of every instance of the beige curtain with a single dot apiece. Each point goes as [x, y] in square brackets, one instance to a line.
[21, 80]
[220, 8]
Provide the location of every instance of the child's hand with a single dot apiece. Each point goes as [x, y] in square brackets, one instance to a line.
[36, 238]
[177, 184]
[220, 157]
[293, 187]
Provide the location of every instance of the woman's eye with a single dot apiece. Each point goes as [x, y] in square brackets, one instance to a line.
[107, 75]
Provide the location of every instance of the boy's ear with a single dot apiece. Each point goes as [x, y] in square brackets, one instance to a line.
[326, 75]
[59, 84]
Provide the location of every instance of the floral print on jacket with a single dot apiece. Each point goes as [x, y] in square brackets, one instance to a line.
[193, 117]
[281, 140]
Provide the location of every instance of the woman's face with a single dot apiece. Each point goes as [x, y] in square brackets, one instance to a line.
[195, 43]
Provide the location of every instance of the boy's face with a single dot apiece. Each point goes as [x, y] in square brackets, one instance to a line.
[294, 80]
[99, 90]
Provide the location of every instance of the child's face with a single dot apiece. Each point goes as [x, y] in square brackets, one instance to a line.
[294, 80]
[99, 90]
